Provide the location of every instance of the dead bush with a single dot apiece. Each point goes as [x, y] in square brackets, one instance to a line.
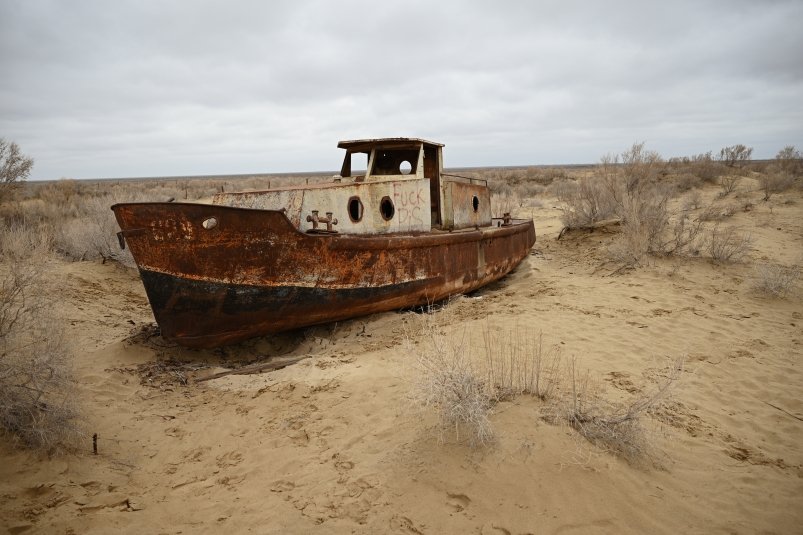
[717, 212]
[775, 181]
[630, 247]
[93, 235]
[562, 189]
[789, 161]
[775, 280]
[447, 382]
[735, 155]
[728, 244]
[615, 427]
[683, 237]
[705, 167]
[505, 203]
[587, 202]
[686, 181]
[36, 389]
[728, 183]
[693, 202]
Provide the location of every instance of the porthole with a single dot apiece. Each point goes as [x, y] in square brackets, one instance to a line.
[355, 209]
[475, 202]
[405, 167]
[386, 208]
[209, 223]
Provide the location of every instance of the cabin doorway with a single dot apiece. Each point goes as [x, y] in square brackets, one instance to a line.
[432, 172]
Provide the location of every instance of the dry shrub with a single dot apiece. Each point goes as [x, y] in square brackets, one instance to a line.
[61, 192]
[693, 202]
[529, 189]
[36, 387]
[505, 203]
[587, 202]
[448, 383]
[705, 167]
[728, 183]
[562, 189]
[789, 160]
[717, 212]
[630, 246]
[776, 280]
[626, 187]
[462, 390]
[728, 244]
[686, 181]
[735, 155]
[615, 427]
[775, 181]
[93, 235]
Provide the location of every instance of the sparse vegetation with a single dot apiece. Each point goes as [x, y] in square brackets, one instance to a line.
[449, 383]
[776, 280]
[36, 389]
[790, 161]
[735, 155]
[615, 427]
[728, 182]
[775, 181]
[462, 391]
[728, 244]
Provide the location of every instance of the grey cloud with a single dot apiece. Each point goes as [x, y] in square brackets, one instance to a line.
[155, 88]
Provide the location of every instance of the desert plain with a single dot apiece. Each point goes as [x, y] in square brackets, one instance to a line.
[336, 442]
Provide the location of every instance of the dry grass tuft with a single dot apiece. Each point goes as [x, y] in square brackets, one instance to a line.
[462, 391]
[448, 383]
[516, 365]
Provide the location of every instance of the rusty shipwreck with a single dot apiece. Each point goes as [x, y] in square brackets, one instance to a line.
[247, 264]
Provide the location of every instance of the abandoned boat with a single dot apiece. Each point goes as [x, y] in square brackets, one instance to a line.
[247, 264]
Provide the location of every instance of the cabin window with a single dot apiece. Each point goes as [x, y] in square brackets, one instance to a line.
[394, 162]
[209, 223]
[386, 208]
[475, 202]
[355, 209]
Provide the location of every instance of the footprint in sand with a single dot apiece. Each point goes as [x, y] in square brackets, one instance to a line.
[457, 502]
[232, 458]
[282, 485]
[402, 524]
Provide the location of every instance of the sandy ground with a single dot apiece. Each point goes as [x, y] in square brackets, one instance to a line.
[331, 444]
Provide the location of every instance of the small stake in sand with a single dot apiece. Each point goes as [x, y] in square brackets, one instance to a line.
[95, 443]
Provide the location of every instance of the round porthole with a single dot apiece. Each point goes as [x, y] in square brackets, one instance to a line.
[386, 208]
[405, 167]
[209, 223]
[475, 202]
[355, 209]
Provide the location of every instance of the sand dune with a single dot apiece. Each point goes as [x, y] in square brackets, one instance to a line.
[331, 444]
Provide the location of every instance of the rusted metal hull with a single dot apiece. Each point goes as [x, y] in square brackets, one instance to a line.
[253, 273]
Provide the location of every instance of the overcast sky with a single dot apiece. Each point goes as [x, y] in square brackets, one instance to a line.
[155, 88]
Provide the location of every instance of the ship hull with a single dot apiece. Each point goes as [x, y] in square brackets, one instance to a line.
[252, 273]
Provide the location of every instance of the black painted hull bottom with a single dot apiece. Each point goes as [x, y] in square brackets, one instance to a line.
[203, 314]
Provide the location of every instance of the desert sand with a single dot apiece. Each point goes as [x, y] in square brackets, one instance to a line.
[332, 444]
